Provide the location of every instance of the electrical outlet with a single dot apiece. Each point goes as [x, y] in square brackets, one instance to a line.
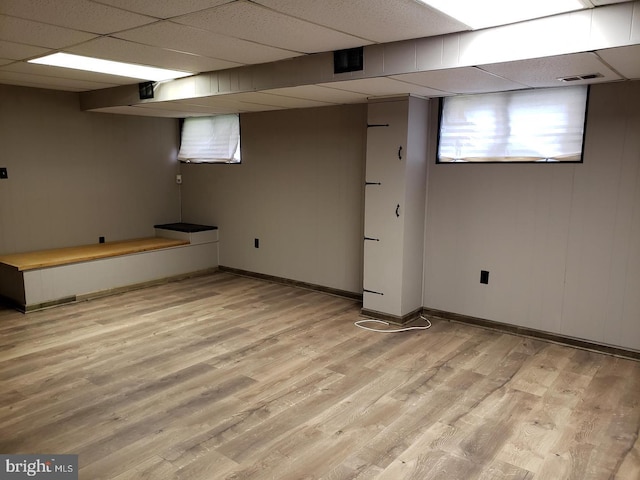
[484, 277]
[101, 240]
[256, 242]
[179, 179]
[3, 173]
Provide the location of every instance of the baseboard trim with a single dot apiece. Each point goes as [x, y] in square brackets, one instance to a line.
[394, 319]
[292, 283]
[533, 333]
[150, 283]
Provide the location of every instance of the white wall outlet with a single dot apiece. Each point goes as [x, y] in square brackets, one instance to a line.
[179, 179]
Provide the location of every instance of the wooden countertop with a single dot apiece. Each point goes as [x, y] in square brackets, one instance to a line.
[64, 256]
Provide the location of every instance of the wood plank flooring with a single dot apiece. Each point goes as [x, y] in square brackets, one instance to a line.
[228, 377]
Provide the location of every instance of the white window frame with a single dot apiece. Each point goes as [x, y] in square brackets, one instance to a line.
[212, 139]
[521, 126]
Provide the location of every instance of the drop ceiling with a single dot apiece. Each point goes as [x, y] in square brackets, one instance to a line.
[271, 54]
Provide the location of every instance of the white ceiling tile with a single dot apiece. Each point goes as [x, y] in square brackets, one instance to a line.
[413, 89]
[611, 26]
[248, 102]
[70, 73]
[544, 72]
[164, 8]
[258, 24]
[41, 81]
[19, 51]
[375, 20]
[167, 109]
[599, 3]
[460, 80]
[280, 101]
[39, 34]
[208, 101]
[178, 110]
[635, 23]
[232, 102]
[143, 111]
[542, 37]
[625, 60]
[384, 86]
[30, 28]
[126, 51]
[320, 93]
[76, 14]
[201, 42]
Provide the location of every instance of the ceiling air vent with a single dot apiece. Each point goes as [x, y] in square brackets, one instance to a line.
[350, 60]
[145, 89]
[575, 78]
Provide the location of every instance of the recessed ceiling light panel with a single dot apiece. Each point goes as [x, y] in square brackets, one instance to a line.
[110, 67]
[489, 13]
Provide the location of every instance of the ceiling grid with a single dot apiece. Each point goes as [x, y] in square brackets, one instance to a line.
[269, 54]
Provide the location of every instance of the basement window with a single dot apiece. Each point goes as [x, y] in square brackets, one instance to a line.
[542, 125]
[213, 139]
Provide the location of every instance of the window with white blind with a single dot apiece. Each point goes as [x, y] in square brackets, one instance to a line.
[213, 139]
[541, 125]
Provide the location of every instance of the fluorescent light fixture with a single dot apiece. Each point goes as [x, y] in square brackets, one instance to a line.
[490, 13]
[90, 64]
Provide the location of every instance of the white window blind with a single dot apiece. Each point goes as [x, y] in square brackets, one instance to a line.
[545, 125]
[211, 139]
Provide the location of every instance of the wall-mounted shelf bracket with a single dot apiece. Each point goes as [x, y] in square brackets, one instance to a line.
[372, 291]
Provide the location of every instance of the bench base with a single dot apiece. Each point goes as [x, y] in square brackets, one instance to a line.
[104, 293]
[38, 288]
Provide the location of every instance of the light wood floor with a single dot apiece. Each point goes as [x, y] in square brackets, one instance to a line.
[225, 377]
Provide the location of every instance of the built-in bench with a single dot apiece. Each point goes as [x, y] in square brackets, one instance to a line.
[35, 280]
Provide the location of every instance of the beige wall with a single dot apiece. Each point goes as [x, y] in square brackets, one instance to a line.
[75, 176]
[299, 190]
[561, 242]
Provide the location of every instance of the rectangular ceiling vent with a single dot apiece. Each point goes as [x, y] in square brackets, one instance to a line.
[145, 89]
[575, 78]
[350, 60]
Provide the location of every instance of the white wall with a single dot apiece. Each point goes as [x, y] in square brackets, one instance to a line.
[299, 190]
[561, 242]
[75, 176]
